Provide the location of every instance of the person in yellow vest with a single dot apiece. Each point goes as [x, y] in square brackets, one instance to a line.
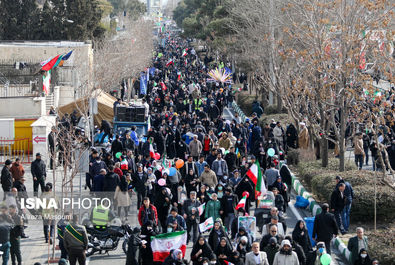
[101, 216]
[197, 102]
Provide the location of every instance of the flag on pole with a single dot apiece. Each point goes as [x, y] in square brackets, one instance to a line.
[163, 85]
[201, 208]
[206, 225]
[46, 82]
[67, 56]
[169, 62]
[49, 65]
[151, 150]
[228, 263]
[58, 61]
[255, 174]
[184, 53]
[241, 203]
[163, 243]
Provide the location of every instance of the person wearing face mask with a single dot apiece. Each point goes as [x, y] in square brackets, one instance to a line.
[175, 258]
[321, 250]
[286, 256]
[271, 249]
[219, 190]
[363, 258]
[256, 257]
[201, 252]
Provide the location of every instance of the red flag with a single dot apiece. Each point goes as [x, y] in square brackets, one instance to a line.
[48, 66]
[164, 87]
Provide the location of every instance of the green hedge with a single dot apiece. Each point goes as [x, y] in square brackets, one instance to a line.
[322, 182]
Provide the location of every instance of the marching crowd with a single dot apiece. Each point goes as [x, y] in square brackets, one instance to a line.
[192, 156]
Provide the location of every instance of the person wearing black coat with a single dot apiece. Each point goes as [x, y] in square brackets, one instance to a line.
[298, 249]
[224, 252]
[325, 227]
[245, 185]
[201, 250]
[338, 201]
[39, 173]
[106, 128]
[139, 179]
[147, 231]
[111, 180]
[116, 146]
[172, 259]
[301, 236]
[162, 204]
[363, 258]
[215, 236]
[291, 136]
[134, 245]
[231, 159]
[6, 178]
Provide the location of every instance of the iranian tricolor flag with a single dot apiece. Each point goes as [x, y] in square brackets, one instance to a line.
[46, 82]
[201, 208]
[255, 174]
[169, 62]
[228, 263]
[242, 203]
[163, 243]
[184, 53]
[151, 150]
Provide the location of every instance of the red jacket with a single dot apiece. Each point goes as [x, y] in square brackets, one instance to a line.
[118, 171]
[153, 215]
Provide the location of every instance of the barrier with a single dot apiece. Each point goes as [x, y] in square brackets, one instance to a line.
[316, 209]
[237, 109]
[15, 148]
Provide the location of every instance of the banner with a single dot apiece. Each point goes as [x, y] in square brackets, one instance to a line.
[143, 83]
[208, 224]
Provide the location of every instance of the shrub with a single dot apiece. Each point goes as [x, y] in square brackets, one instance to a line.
[293, 157]
[322, 182]
[381, 246]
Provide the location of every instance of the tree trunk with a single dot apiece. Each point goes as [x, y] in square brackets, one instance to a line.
[279, 104]
[342, 139]
[324, 152]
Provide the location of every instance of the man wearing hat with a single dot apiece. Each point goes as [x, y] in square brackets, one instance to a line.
[39, 173]
[286, 255]
[6, 178]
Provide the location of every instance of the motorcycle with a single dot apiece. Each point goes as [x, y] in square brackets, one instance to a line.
[106, 240]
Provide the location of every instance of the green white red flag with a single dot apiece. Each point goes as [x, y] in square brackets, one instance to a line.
[201, 208]
[206, 225]
[255, 174]
[163, 243]
[242, 203]
[46, 82]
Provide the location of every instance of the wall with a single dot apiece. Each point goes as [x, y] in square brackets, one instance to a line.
[22, 107]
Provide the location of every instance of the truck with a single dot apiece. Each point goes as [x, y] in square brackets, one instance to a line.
[129, 115]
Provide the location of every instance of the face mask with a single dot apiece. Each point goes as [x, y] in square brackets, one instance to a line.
[169, 230]
[321, 250]
[213, 262]
[219, 188]
[205, 263]
[364, 255]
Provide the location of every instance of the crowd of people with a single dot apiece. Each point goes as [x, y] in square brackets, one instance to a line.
[203, 160]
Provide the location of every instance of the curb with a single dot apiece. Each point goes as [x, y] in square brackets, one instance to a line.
[315, 209]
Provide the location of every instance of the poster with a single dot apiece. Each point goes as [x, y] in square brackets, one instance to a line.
[249, 223]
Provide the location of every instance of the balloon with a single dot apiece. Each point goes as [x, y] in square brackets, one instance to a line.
[271, 152]
[156, 156]
[246, 194]
[326, 259]
[172, 171]
[179, 163]
[162, 182]
[118, 155]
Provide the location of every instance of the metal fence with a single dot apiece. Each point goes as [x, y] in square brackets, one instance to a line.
[18, 90]
[15, 148]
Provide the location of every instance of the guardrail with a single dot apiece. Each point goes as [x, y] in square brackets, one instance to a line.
[237, 109]
[315, 209]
